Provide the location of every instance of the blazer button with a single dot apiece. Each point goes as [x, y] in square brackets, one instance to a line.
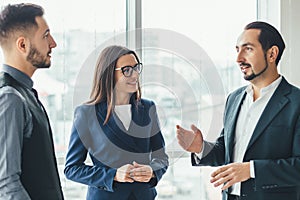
[102, 188]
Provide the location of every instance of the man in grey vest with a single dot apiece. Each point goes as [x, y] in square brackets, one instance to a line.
[28, 168]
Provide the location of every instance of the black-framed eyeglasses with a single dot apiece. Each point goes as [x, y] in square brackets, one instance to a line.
[128, 70]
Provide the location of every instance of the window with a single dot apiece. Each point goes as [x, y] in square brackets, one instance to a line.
[188, 51]
[78, 28]
[189, 56]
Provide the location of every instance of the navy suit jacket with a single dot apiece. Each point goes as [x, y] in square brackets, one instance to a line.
[111, 146]
[274, 146]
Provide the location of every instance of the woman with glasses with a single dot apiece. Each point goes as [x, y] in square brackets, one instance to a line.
[120, 132]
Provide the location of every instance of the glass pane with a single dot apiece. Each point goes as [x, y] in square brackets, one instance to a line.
[78, 28]
[189, 57]
[190, 46]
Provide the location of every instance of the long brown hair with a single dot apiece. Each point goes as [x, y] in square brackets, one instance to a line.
[104, 79]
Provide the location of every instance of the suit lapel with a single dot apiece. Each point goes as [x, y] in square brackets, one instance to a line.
[232, 119]
[137, 118]
[273, 107]
[115, 133]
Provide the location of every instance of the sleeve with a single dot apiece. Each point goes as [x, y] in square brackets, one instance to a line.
[207, 147]
[159, 159]
[214, 153]
[14, 124]
[99, 176]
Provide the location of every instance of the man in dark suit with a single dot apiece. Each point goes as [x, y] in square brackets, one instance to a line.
[259, 146]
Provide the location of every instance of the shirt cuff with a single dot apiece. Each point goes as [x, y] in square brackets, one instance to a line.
[198, 156]
[252, 171]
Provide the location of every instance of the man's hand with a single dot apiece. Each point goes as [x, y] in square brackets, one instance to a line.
[190, 140]
[123, 174]
[141, 173]
[231, 174]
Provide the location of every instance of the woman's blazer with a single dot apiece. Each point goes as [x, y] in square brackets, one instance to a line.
[111, 146]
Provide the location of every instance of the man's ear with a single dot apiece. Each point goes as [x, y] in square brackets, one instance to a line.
[22, 44]
[273, 53]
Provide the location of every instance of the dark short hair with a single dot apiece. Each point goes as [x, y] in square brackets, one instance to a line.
[18, 17]
[269, 36]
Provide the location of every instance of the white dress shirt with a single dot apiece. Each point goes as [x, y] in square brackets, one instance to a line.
[124, 114]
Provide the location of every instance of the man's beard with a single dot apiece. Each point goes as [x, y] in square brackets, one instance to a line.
[36, 59]
[253, 75]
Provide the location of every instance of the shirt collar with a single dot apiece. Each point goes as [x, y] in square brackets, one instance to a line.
[266, 89]
[19, 76]
[272, 86]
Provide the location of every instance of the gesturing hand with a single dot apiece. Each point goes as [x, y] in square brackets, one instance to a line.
[123, 175]
[231, 174]
[141, 173]
[190, 140]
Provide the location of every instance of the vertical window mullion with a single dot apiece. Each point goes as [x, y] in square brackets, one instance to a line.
[134, 25]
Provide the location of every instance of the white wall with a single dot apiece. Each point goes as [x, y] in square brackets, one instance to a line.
[290, 28]
[285, 15]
